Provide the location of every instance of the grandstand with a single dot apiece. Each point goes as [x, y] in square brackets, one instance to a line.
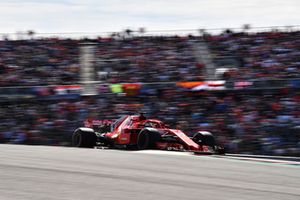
[243, 86]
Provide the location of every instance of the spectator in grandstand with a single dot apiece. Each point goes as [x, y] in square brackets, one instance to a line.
[258, 56]
[38, 62]
[243, 123]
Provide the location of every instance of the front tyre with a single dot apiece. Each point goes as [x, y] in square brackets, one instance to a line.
[84, 138]
[204, 138]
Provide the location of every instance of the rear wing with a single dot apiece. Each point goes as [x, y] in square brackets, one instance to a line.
[101, 126]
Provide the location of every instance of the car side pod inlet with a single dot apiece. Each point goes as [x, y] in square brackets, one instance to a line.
[84, 137]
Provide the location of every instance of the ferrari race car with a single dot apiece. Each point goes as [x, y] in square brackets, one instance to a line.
[137, 132]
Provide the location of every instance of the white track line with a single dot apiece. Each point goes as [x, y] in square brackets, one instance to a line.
[265, 160]
[176, 153]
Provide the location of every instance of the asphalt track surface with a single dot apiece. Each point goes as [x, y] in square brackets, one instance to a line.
[37, 172]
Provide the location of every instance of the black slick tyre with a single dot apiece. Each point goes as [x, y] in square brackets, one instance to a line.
[84, 139]
[206, 139]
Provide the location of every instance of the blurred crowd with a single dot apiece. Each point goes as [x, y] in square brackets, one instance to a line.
[254, 56]
[259, 56]
[38, 62]
[243, 123]
[261, 122]
[56, 61]
[151, 59]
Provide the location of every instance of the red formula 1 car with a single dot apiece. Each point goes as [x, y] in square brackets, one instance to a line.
[137, 132]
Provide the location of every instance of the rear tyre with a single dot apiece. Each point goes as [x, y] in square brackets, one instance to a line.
[84, 139]
[147, 139]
